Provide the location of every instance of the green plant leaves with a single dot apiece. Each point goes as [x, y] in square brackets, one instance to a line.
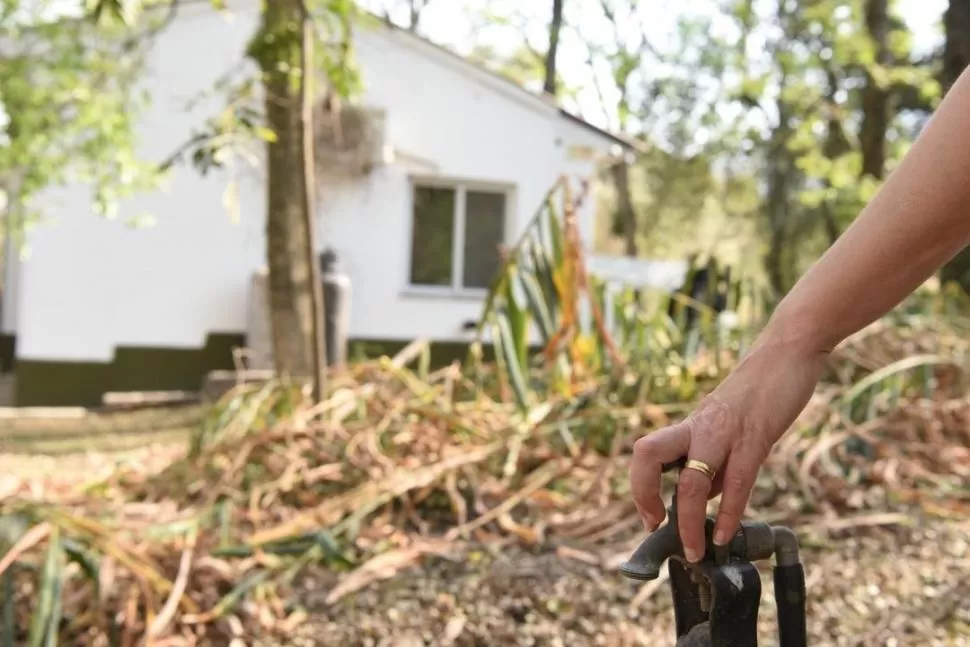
[45, 621]
[532, 304]
[108, 10]
[505, 348]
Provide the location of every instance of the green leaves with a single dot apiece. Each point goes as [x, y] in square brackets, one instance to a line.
[276, 45]
[515, 371]
[9, 606]
[45, 620]
[525, 296]
[89, 563]
[127, 13]
[67, 91]
[580, 329]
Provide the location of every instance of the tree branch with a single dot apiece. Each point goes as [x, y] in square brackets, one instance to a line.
[150, 33]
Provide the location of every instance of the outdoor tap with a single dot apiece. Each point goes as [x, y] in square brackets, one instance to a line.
[716, 600]
[661, 545]
[650, 555]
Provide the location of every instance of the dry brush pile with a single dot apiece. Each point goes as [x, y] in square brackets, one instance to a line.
[400, 461]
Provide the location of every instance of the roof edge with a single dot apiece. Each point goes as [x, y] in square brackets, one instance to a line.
[501, 83]
[538, 100]
[446, 56]
[623, 141]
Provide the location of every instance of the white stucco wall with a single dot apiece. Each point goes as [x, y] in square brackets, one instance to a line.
[11, 284]
[91, 285]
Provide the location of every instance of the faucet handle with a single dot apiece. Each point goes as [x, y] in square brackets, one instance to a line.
[677, 465]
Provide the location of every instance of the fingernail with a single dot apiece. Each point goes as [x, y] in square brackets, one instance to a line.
[691, 555]
[721, 537]
[649, 523]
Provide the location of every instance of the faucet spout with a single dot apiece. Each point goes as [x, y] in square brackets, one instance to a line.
[661, 545]
[650, 555]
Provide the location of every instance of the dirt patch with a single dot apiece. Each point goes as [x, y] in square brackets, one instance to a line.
[79, 431]
[872, 586]
[42, 477]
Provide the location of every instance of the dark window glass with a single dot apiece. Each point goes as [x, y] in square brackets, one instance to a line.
[432, 236]
[484, 233]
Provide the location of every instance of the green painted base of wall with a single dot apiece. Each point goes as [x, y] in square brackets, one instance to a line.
[54, 384]
[442, 353]
[60, 384]
[8, 352]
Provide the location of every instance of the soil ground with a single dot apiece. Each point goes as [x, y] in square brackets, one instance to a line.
[890, 586]
[868, 586]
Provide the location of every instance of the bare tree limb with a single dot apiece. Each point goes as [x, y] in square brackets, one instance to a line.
[550, 85]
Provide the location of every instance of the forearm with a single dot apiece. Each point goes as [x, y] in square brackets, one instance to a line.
[919, 219]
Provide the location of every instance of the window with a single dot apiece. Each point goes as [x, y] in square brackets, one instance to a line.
[456, 235]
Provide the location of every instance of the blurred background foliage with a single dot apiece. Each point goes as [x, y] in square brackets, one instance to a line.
[767, 124]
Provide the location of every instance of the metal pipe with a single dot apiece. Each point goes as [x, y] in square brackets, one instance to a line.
[786, 546]
[789, 589]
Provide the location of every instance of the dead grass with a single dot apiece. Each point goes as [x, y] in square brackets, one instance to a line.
[281, 510]
[398, 469]
[82, 431]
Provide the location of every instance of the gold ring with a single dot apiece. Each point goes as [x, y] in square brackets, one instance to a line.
[700, 466]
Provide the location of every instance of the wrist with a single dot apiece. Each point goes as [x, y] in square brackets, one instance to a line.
[798, 329]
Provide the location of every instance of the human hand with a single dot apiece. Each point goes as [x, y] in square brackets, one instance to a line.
[732, 430]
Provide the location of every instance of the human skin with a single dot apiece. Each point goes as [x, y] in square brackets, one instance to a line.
[919, 219]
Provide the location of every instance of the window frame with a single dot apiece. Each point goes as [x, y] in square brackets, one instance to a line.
[461, 187]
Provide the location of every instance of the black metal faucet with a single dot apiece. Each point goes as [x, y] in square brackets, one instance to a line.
[716, 600]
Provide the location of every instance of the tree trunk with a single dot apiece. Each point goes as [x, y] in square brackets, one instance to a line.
[621, 181]
[307, 96]
[875, 98]
[416, 7]
[550, 86]
[956, 52]
[836, 145]
[832, 231]
[777, 205]
[277, 50]
[956, 57]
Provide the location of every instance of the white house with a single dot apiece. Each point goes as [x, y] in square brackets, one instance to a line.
[466, 155]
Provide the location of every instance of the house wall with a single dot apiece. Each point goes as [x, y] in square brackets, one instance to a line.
[466, 129]
[95, 291]
[9, 301]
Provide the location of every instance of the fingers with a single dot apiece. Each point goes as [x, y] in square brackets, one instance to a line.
[693, 490]
[734, 480]
[649, 454]
[740, 474]
[717, 485]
